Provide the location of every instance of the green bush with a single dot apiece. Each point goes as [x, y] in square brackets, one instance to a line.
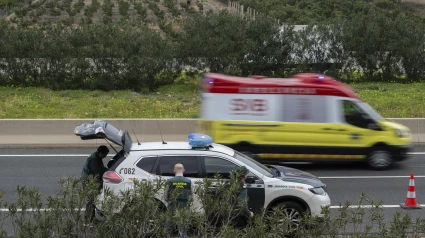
[90, 10]
[139, 213]
[21, 12]
[172, 7]
[154, 7]
[141, 10]
[78, 6]
[123, 8]
[386, 4]
[107, 9]
[55, 12]
[369, 46]
[51, 4]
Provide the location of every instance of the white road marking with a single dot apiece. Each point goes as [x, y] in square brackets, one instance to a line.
[35, 210]
[110, 155]
[370, 206]
[51, 155]
[370, 177]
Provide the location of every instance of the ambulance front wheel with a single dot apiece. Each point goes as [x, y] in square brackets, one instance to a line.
[379, 159]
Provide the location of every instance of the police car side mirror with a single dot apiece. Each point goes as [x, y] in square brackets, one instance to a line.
[250, 179]
[374, 126]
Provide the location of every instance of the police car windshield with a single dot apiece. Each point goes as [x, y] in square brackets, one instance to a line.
[253, 164]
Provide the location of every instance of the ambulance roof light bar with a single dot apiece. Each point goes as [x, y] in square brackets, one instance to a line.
[200, 141]
[320, 79]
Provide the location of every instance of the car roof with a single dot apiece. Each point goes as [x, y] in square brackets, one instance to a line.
[179, 145]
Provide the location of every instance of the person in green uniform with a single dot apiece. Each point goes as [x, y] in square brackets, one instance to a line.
[243, 212]
[94, 167]
[178, 196]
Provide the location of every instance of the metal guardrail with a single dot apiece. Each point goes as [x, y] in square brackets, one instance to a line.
[57, 132]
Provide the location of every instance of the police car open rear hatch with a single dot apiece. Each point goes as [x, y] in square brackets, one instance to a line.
[100, 129]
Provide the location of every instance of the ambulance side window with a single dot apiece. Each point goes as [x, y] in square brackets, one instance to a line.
[354, 115]
[222, 167]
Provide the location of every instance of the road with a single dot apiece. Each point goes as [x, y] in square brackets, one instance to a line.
[43, 167]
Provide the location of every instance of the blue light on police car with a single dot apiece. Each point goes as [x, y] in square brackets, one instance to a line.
[321, 77]
[199, 140]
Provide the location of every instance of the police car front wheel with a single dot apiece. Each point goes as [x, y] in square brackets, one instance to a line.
[288, 214]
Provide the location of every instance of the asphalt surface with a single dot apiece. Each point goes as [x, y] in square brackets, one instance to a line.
[346, 182]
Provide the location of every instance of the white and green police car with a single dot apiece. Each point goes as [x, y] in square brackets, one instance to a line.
[268, 185]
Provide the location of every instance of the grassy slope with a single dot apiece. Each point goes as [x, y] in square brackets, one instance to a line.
[394, 100]
[175, 101]
[169, 102]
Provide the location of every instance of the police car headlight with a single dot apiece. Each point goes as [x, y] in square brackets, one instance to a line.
[318, 191]
[401, 133]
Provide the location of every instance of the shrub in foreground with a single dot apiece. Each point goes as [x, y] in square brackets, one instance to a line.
[142, 215]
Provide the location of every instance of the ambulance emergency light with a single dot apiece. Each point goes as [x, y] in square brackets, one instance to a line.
[199, 140]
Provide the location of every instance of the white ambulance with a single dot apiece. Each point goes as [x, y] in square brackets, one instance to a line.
[308, 117]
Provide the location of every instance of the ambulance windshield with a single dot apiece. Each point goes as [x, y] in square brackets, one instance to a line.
[253, 164]
[370, 111]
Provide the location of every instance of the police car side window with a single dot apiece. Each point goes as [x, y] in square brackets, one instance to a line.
[190, 164]
[147, 163]
[215, 165]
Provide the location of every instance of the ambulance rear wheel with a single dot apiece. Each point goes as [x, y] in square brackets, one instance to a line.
[380, 159]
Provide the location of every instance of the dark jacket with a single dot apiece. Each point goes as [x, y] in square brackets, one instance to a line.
[179, 191]
[242, 204]
[94, 167]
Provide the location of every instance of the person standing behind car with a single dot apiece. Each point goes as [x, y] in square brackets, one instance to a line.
[179, 191]
[243, 212]
[94, 167]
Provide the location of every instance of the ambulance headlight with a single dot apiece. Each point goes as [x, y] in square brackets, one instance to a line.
[401, 133]
[318, 191]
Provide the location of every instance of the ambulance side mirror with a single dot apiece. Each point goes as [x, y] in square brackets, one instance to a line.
[374, 126]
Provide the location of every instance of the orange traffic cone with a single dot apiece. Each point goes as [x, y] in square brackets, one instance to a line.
[411, 196]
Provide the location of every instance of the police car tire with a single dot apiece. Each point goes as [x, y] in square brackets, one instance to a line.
[294, 211]
[379, 159]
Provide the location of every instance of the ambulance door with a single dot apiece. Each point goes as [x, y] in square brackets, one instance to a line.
[354, 131]
[361, 128]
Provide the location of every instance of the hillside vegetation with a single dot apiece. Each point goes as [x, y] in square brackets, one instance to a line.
[104, 11]
[77, 12]
[313, 11]
[142, 45]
